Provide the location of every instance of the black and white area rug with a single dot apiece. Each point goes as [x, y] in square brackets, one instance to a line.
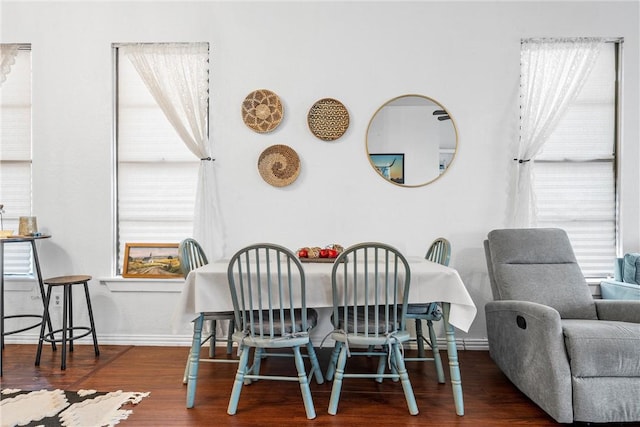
[49, 408]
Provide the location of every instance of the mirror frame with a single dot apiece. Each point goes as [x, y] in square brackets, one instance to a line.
[438, 104]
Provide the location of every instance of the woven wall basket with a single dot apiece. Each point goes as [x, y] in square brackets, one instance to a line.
[262, 110]
[328, 119]
[279, 165]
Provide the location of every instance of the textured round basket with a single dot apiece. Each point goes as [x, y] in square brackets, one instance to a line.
[328, 119]
[279, 165]
[262, 110]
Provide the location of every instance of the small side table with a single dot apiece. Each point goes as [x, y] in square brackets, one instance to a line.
[20, 239]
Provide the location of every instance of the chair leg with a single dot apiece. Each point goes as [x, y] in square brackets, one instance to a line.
[232, 324]
[437, 360]
[394, 366]
[332, 361]
[315, 365]
[404, 378]
[186, 368]
[337, 382]
[419, 338]
[213, 325]
[382, 360]
[304, 384]
[194, 355]
[239, 381]
[258, 354]
[454, 366]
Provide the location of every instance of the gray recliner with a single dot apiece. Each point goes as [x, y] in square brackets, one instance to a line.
[576, 357]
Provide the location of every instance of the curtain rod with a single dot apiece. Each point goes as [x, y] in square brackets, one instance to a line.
[606, 39]
[21, 46]
[120, 44]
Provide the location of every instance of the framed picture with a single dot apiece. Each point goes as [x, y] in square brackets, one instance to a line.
[389, 165]
[151, 261]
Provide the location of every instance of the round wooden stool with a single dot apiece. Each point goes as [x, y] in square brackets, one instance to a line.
[67, 330]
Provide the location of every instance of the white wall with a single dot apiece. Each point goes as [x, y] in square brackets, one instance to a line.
[463, 54]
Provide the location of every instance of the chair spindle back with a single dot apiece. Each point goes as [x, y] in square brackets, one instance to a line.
[191, 255]
[267, 280]
[439, 251]
[371, 279]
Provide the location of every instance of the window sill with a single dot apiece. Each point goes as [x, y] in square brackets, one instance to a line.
[20, 283]
[120, 284]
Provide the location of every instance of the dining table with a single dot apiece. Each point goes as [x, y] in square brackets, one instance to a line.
[206, 289]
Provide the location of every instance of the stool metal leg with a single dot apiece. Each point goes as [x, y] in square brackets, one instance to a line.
[45, 321]
[69, 290]
[93, 326]
[36, 263]
[65, 315]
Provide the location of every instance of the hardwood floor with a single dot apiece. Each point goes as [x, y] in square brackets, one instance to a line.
[490, 399]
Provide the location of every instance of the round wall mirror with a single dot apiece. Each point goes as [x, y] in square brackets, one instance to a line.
[411, 140]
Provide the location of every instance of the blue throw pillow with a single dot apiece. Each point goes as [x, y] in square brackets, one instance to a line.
[631, 268]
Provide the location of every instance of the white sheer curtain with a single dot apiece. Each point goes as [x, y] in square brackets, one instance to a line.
[177, 75]
[8, 54]
[552, 74]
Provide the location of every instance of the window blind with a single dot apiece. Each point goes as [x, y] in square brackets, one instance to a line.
[575, 177]
[15, 158]
[156, 173]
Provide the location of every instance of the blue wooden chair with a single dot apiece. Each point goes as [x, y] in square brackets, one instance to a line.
[267, 285]
[439, 252]
[192, 256]
[370, 285]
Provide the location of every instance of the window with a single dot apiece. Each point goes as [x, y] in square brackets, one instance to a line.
[15, 153]
[575, 174]
[156, 172]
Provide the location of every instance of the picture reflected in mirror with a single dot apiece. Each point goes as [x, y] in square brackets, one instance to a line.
[422, 130]
[390, 166]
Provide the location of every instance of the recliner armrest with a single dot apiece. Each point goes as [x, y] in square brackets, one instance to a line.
[527, 344]
[618, 310]
[542, 314]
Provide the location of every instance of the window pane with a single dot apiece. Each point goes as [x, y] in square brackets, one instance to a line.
[157, 174]
[575, 174]
[584, 207]
[144, 134]
[575, 191]
[15, 158]
[157, 191]
[587, 130]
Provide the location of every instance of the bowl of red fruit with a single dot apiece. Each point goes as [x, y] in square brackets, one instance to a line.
[317, 254]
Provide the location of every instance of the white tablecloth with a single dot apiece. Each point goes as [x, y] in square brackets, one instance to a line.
[207, 289]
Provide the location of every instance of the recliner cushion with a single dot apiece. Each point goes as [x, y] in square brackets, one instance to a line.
[631, 268]
[601, 348]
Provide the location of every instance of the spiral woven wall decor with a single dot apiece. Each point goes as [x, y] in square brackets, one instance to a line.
[328, 119]
[279, 165]
[262, 110]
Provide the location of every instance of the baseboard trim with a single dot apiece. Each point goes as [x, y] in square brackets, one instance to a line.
[185, 341]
